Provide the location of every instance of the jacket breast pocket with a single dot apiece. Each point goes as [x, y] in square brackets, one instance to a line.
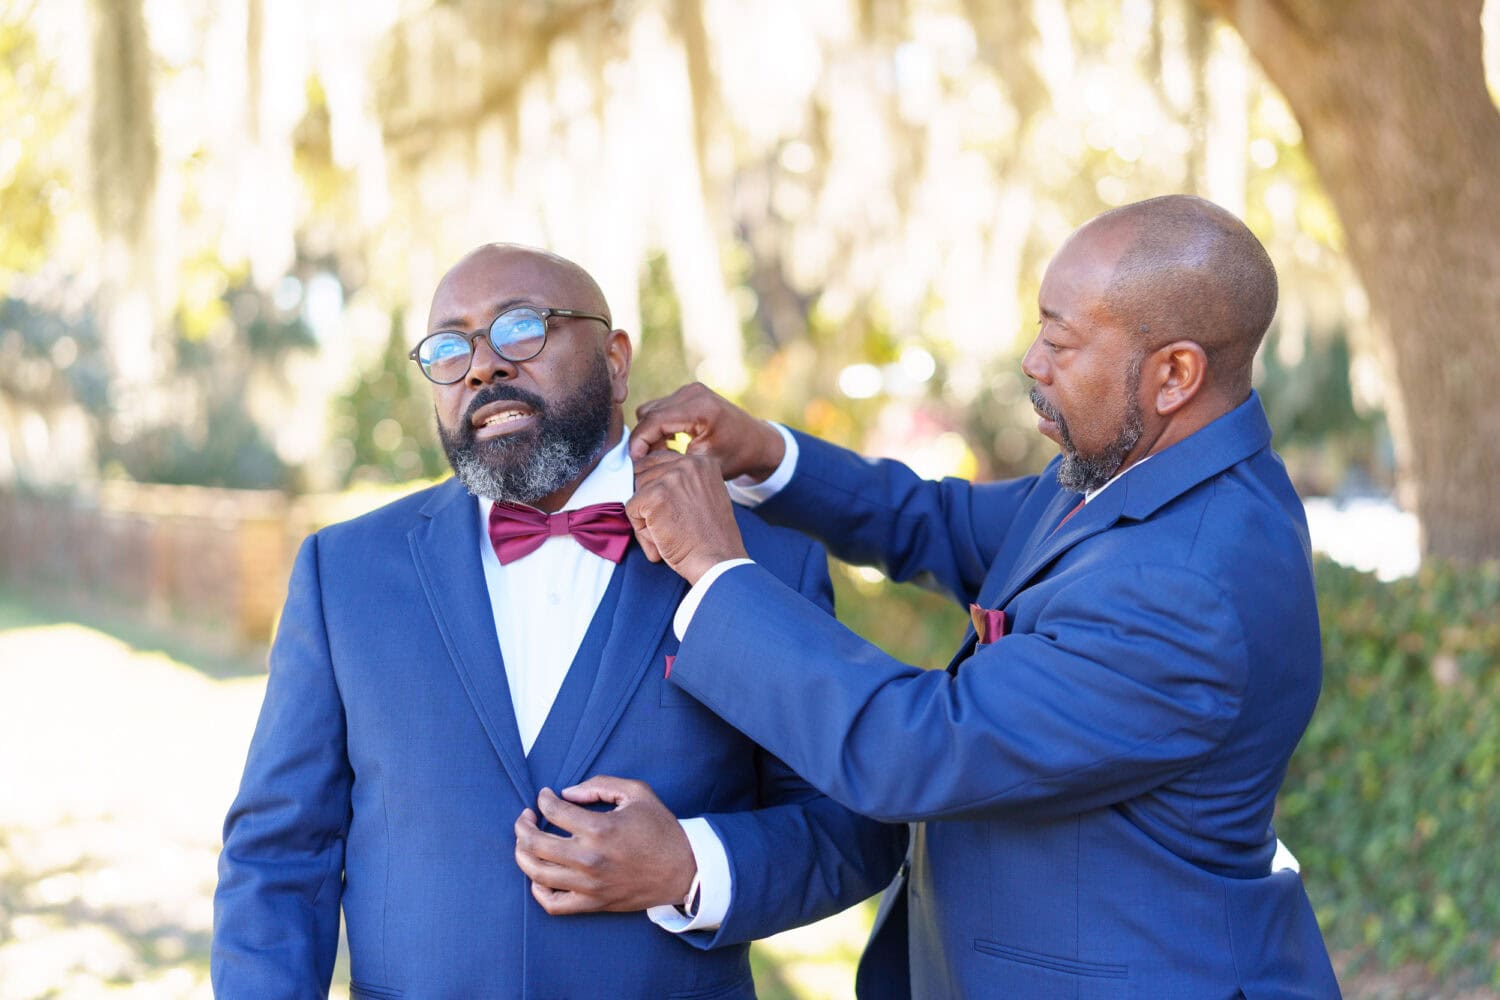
[1033, 973]
[364, 991]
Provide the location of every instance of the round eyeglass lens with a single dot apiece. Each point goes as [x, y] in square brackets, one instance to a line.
[444, 357]
[519, 334]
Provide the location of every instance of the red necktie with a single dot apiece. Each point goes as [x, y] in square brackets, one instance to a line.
[1067, 516]
[517, 530]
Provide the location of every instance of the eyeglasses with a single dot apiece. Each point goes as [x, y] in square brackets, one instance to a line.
[446, 356]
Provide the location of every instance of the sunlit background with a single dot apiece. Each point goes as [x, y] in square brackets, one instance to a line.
[220, 225]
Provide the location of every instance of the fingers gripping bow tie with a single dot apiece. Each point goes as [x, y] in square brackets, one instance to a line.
[517, 530]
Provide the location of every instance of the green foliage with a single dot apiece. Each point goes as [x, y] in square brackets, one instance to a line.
[226, 449]
[230, 344]
[384, 425]
[1320, 432]
[47, 358]
[1393, 794]
[33, 149]
[913, 625]
[658, 365]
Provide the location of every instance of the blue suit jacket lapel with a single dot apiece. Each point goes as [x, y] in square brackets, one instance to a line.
[1225, 442]
[649, 596]
[445, 549]
[1098, 514]
[1056, 508]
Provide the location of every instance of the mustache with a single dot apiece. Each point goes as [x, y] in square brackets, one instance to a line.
[1053, 414]
[1043, 407]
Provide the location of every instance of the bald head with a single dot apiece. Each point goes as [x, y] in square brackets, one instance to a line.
[1189, 270]
[481, 270]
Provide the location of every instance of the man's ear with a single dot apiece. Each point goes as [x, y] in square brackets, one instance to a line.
[617, 352]
[1181, 370]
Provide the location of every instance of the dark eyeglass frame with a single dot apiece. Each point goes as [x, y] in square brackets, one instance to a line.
[545, 314]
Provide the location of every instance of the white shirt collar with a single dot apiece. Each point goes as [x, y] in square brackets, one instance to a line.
[611, 481]
[1089, 496]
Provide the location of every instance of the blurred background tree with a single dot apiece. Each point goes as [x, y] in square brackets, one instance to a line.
[858, 221]
[384, 421]
[835, 212]
[847, 234]
[1408, 154]
[221, 222]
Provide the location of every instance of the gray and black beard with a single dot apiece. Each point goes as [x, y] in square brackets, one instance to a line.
[528, 465]
[1085, 473]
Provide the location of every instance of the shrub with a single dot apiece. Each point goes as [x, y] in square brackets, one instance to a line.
[1392, 796]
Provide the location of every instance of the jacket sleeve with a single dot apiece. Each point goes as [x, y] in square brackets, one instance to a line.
[878, 512]
[800, 856]
[276, 908]
[1129, 678]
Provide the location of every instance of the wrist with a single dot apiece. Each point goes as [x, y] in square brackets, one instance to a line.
[687, 902]
[694, 569]
[769, 453]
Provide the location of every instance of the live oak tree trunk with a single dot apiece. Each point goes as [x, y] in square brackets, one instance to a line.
[1395, 115]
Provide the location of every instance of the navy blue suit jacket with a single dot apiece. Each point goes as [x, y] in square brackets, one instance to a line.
[1092, 792]
[386, 772]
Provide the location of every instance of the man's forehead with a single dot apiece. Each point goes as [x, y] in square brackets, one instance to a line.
[494, 277]
[1092, 251]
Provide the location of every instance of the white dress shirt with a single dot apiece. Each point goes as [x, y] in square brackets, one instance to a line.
[543, 604]
[748, 493]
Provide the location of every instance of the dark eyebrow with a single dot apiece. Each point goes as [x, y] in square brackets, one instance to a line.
[461, 322]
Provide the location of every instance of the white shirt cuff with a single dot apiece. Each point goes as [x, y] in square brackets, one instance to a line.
[748, 493]
[712, 885]
[689, 605]
[1284, 859]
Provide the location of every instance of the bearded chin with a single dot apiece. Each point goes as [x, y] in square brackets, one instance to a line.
[519, 471]
[1086, 473]
[527, 466]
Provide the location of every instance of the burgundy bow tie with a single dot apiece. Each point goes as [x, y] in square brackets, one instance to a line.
[517, 530]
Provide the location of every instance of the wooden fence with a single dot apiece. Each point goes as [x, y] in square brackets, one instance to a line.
[209, 564]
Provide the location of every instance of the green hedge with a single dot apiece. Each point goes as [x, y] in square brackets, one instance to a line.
[1392, 800]
[1393, 797]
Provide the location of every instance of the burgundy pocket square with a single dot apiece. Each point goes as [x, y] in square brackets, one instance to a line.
[989, 623]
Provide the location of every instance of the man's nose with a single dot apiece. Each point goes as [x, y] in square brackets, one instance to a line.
[1034, 363]
[488, 365]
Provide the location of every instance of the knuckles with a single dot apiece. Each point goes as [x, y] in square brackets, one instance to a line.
[550, 900]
